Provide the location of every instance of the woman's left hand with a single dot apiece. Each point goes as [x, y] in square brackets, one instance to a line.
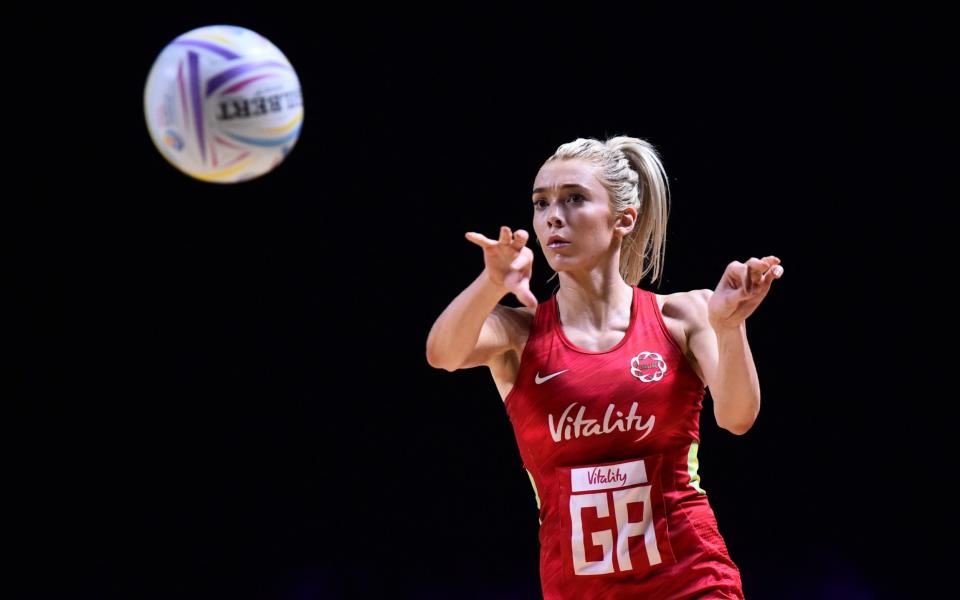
[741, 290]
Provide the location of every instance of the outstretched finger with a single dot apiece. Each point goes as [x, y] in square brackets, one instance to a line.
[480, 239]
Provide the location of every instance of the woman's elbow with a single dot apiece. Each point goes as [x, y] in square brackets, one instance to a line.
[739, 429]
[437, 362]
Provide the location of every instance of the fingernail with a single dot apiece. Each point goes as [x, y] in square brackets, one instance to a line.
[778, 271]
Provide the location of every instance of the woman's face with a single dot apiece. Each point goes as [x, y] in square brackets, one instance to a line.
[569, 201]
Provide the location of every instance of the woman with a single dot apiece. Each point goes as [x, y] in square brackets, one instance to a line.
[604, 382]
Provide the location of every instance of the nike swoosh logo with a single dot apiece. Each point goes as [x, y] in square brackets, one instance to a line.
[540, 380]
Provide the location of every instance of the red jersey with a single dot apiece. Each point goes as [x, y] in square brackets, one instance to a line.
[609, 440]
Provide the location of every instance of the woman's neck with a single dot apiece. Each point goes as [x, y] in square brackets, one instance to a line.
[593, 301]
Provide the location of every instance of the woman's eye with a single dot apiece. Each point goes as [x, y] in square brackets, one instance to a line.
[575, 197]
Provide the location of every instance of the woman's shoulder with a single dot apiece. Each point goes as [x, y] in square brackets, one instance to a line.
[684, 313]
[522, 326]
[684, 306]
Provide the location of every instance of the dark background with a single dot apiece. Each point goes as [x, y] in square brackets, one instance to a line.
[225, 386]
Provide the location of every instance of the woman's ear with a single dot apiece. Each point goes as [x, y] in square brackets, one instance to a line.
[626, 221]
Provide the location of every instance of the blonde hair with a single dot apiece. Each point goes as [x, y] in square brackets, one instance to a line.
[631, 171]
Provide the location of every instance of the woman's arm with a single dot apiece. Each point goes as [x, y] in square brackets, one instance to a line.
[717, 337]
[461, 334]
[475, 327]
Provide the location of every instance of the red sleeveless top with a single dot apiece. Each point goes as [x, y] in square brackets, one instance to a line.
[609, 440]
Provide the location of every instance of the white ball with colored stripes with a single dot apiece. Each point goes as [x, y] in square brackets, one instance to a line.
[223, 104]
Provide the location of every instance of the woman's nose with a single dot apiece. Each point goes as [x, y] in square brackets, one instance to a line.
[553, 213]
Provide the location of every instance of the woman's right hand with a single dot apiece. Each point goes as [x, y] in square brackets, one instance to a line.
[508, 262]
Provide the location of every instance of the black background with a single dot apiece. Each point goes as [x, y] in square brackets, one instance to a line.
[225, 386]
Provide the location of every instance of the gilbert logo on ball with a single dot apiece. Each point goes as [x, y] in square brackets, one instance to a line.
[223, 104]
